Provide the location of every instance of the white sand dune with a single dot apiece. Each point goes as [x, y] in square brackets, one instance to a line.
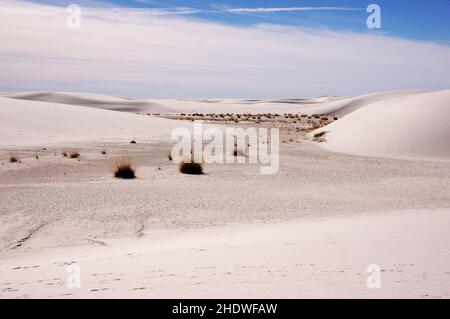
[403, 124]
[345, 106]
[27, 123]
[339, 106]
[412, 126]
[92, 100]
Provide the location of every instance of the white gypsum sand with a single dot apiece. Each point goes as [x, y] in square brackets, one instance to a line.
[310, 230]
[36, 123]
[416, 126]
[326, 258]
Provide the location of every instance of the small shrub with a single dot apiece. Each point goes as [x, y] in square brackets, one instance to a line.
[74, 155]
[103, 152]
[191, 168]
[169, 156]
[64, 153]
[133, 142]
[124, 169]
[14, 158]
[319, 137]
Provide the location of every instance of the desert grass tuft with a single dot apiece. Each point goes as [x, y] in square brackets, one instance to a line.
[14, 158]
[191, 168]
[123, 168]
[319, 137]
[74, 155]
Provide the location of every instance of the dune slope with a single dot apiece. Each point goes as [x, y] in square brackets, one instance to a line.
[92, 100]
[42, 123]
[413, 126]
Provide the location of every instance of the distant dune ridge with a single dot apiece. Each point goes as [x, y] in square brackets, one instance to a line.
[92, 100]
[35, 123]
[403, 124]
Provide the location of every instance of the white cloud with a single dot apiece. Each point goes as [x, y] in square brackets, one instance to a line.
[290, 9]
[134, 52]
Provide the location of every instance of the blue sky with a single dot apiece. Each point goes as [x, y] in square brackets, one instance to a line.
[224, 49]
[418, 19]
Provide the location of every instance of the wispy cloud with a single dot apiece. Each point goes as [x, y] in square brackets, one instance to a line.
[166, 11]
[290, 9]
[125, 52]
[226, 9]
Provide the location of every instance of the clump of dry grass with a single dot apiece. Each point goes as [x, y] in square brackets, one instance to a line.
[74, 155]
[321, 134]
[14, 158]
[191, 168]
[123, 168]
[70, 154]
[319, 137]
